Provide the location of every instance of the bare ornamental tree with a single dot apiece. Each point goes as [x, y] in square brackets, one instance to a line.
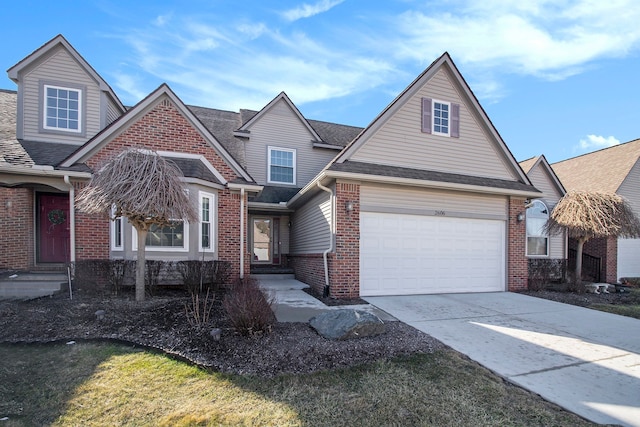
[587, 215]
[143, 187]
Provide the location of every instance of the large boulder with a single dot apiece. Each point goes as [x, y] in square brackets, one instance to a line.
[344, 324]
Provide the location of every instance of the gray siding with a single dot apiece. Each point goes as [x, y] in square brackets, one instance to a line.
[310, 228]
[281, 127]
[541, 179]
[113, 112]
[392, 199]
[59, 68]
[630, 188]
[400, 141]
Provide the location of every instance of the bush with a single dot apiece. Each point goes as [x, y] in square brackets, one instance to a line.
[544, 271]
[200, 276]
[249, 309]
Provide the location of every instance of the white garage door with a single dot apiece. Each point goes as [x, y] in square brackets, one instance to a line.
[412, 254]
[628, 258]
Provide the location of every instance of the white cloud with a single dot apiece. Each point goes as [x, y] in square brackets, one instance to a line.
[309, 10]
[594, 142]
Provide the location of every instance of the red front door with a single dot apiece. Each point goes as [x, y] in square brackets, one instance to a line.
[53, 228]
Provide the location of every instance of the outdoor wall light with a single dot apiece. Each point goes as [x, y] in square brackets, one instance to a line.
[520, 217]
[348, 206]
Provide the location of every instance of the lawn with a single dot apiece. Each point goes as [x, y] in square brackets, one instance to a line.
[112, 384]
[630, 309]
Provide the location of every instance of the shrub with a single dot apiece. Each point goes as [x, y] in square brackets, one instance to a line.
[248, 308]
[199, 311]
[199, 276]
[544, 271]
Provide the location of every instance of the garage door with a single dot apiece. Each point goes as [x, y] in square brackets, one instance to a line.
[413, 254]
[628, 258]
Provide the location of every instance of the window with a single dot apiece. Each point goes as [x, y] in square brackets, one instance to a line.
[62, 109]
[171, 237]
[440, 118]
[206, 222]
[537, 239]
[116, 232]
[282, 165]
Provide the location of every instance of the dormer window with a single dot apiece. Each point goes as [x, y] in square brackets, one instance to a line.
[62, 109]
[282, 165]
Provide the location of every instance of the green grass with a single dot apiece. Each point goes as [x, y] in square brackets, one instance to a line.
[107, 384]
[630, 309]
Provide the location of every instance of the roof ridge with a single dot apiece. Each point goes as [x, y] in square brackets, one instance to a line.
[622, 144]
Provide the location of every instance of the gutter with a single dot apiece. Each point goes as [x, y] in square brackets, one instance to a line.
[39, 170]
[72, 219]
[242, 233]
[325, 293]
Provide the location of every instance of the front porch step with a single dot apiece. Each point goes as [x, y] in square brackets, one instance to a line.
[31, 284]
[273, 276]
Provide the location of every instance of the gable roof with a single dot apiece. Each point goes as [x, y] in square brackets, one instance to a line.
[44, 50]
[281, 97]
[603, 170]
[541, 162]
[86, 150]
[443, 61]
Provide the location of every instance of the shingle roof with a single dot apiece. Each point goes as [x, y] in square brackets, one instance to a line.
[427, 175]
[526, 165]
[271, 194]
[603, 170]
[10, 149]
[194, 168]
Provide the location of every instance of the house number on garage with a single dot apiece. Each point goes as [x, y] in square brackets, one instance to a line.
[440, 213]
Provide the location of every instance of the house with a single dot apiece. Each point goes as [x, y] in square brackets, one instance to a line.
[543, 250]
[425, 199]
[612, 170]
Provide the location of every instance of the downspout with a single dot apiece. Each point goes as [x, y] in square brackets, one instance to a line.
[325, 293]
[242, 233]
[72, 220]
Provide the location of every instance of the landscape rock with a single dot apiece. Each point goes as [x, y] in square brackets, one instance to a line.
[346, 324]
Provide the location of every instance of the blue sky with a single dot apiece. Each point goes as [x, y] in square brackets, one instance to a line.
[556, 77]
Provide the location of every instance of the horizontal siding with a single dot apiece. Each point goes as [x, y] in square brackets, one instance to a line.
[112, 112]
[61, 68]
[630, 188]
[392, 199]
[281, 127]
[310, 228]
[284, 234]
[543, 181]
[400, 141]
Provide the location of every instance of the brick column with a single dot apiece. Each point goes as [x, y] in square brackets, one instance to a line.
[344, 264]
[517, 274]
[16, 223]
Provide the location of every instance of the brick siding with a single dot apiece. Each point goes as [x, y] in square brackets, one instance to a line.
[517, 264]
[344, 272]
[17, 225]
[309, 269]
[605, 248]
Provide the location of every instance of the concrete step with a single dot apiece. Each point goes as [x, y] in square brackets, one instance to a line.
[272, 276]
[31, 284]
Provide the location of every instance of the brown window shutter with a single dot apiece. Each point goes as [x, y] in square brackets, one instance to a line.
[426, 115]
[455, 121]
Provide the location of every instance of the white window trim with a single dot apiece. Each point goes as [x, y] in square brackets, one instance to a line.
[290, 150]
[212, 221]
[433, 118]
[548, 237]
[184, 248]
[44, 110]
[115, 247]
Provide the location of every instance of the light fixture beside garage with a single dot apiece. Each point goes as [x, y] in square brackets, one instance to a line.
[348, 206]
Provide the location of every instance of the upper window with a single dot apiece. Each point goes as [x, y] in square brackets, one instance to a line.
[282, 166]
[537, 238]
[62, 109]
[440, 118]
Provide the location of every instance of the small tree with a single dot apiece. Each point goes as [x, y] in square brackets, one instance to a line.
[587, 215]
[143, 187]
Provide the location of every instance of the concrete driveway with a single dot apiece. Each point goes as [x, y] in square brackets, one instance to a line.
[583, 360]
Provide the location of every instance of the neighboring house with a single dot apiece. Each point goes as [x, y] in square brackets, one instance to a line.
[540, 245]
[426, 199]
[613, 170]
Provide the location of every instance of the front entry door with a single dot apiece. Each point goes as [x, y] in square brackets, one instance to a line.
[266, 241]
[53, 228]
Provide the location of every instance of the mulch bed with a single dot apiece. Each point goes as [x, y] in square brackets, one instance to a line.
[161, 323]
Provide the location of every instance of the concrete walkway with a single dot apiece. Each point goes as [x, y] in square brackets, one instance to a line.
[583, 360]
[295, 305]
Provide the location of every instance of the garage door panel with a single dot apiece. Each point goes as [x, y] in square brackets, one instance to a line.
[413, 254]
[628, 258]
